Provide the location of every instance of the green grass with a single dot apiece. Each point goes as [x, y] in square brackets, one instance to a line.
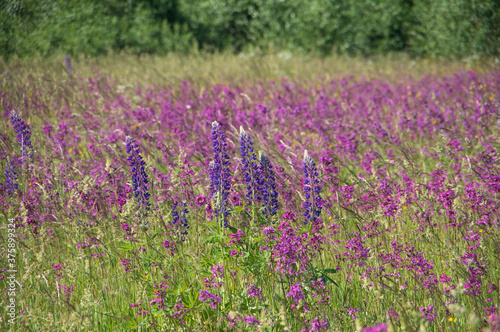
[104, 291]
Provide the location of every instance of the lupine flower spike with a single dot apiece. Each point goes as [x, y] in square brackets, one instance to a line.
[69, 68]
[139, 176]
[267, 186]
[180, 223]
[312, 190]
[23, 132]
[220, 173]
[250, 169]
[10, 178]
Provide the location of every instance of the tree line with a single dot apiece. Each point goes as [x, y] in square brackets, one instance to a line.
[445, 28]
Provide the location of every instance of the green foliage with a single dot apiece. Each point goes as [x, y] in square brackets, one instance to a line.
[420, 27]
[91, 27]
[456, 27]
[375, 26]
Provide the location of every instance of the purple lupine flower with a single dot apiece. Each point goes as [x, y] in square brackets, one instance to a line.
[23, 132]
[213, 178]
[267, 186]
[180, 223]
[69, 68]
[139, 176]
[312, 190]
[10, 178]
[250, 170]
[220, 173]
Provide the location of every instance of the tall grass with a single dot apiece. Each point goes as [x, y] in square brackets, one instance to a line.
[402, 224]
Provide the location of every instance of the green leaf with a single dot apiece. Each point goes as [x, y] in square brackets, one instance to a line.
[239, 208]
[131, 324]
[326, 278]
[125, 247]
[330, 271]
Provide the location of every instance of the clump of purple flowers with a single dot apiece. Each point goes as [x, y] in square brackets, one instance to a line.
[290, 253]
[220, 173]
[376, 328]
[312, 190]
[428, 313]
[10, 178]
[255, 292]
[23, 132]
[296, 292]
[180, 223]
[212, 283]
[494, 320]
[251, 321]
[139, 176]
[317, 325]
[267, 185]
[67, 291]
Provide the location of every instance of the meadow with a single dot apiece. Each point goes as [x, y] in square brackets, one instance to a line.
[249, 193]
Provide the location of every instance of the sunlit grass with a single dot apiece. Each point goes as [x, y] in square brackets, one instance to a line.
[81, 167]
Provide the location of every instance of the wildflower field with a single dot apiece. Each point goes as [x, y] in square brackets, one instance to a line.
[238, 196]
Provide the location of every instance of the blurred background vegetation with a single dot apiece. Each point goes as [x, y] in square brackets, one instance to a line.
[445, 28]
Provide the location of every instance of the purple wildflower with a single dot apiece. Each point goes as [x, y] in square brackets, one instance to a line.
[251, 320]
[139, 176]
[318, 325]
[69, 68]
[428, 313]
[494, 320]
[67, 290]
[296, 292]
[10, 178]
[23, 132]
[312, 190]
[250, 170]
[220, 173]
[267, 185]
[213, 299]
[180, 223]
[376, 328]
[255, 292]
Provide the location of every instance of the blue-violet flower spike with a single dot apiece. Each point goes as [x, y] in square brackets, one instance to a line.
[267, 186]
[312, 190]
[220, 173]
[10, 178]
[23, 132]
[250, 169]
[139, 176]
